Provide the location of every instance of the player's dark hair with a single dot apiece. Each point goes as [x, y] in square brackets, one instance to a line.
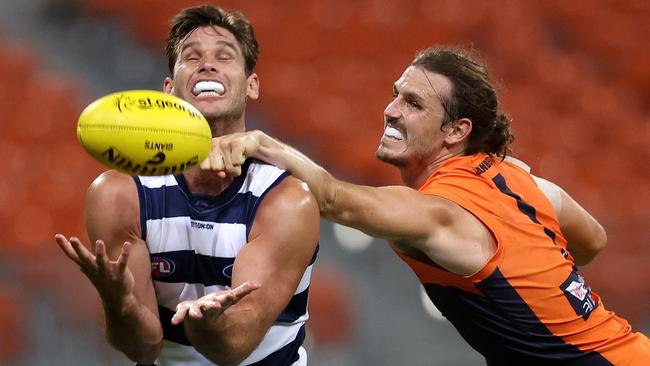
[473, 96]
[189, 19]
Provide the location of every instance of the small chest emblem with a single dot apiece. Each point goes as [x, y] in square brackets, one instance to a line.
[161, 266]
[227, 271]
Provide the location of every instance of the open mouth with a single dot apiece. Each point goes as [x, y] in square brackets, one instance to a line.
[393, 133]
[208, 88]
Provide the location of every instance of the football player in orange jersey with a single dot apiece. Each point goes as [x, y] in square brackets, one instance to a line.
[495, 254]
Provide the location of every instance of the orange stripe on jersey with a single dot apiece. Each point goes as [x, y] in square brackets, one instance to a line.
[528, 303]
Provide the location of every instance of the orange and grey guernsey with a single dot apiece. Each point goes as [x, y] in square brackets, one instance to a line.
[528, 305]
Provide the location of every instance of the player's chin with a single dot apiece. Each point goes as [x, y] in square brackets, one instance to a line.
[385, 154]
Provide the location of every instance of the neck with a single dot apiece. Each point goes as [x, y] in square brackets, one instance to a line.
[226, 125]
[205, 181]
[414, 175]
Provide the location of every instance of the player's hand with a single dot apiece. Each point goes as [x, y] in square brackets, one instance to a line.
[113, 279]
[230, 151]
[212, 305]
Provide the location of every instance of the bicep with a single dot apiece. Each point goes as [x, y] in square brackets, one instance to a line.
[282, 243]
[391, 212]
[582, 231]
[112, 214]
[576, 224]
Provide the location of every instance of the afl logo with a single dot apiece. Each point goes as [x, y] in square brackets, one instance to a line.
[227, 271]
[161, 267]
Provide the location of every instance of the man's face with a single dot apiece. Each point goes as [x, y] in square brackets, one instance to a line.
[413, 119]
[210, 74]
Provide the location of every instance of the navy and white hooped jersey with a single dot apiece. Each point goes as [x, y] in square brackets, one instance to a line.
[193, 241]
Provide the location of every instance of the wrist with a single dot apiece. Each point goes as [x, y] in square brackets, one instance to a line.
[120, 306]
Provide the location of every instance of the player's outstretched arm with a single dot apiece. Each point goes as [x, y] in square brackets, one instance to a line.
[118, 266]
[585, 236]
[418, 224]
[268, 271]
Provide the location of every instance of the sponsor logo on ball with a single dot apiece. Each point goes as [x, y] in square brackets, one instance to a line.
[115, 158]
[126, 103]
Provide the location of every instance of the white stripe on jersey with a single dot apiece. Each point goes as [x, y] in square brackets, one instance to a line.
[158, 181]
[179, 235]
[255, 183]
[176, 354]
[277, 337]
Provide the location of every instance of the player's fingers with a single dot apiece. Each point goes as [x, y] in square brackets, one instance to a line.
[100, 255]
[244, 289]
[123, 259]
[237, 158]
[226, 149]
[205, 164]
[228, 298]
[195, 310]
[84, 255]
[238, 154]
[216, 156]
[209, 305]
[66, 247]
[181, 312]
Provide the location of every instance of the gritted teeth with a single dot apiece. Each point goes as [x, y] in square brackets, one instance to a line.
[394, 133]
[205, 87]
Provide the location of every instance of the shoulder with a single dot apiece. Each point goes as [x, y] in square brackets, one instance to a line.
[112, 207]
[292, 196]
[288, 209]
[112, 182]
[112, 189]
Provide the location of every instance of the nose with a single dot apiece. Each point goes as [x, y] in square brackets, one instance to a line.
[208, 65]
[392, 111]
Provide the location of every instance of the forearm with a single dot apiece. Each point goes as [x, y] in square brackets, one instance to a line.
[133, 329]
[225, 340]
[321, 183]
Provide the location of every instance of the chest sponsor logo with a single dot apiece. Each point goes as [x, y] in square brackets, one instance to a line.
[579, 295]
[161, 266]
[201, 225]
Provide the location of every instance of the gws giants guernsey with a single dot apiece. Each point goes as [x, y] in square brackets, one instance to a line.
[193, 241]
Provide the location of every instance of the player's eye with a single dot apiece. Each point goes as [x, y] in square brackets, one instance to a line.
[191, 56]
[413, 104]
[225, 56]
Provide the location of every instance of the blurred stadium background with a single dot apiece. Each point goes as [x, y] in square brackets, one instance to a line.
[575, 78]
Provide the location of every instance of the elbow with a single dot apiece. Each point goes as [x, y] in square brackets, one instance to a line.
[601, 240]
[224, 351]
[584, 254]
[142, 354]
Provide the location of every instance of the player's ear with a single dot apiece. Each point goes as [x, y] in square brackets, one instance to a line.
[458, 131]
[253, 86]
[168, 85]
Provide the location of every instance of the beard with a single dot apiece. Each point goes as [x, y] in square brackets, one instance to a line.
[222, 121]
[395, 159]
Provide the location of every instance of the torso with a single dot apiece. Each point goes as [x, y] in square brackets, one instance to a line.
[193, 241]
[527, 304]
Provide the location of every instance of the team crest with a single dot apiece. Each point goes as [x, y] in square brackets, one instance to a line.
[579, 295]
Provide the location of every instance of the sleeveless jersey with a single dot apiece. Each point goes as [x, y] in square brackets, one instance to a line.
[528, 305]
[193, 241]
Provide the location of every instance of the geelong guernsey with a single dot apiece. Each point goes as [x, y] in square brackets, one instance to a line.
[193, 241]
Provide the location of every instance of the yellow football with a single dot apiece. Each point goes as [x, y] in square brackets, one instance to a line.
[144, 132]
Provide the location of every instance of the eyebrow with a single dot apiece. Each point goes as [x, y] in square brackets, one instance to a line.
[220, 43]
[409, 95]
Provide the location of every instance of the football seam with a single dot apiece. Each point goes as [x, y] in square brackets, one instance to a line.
[142, 129]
